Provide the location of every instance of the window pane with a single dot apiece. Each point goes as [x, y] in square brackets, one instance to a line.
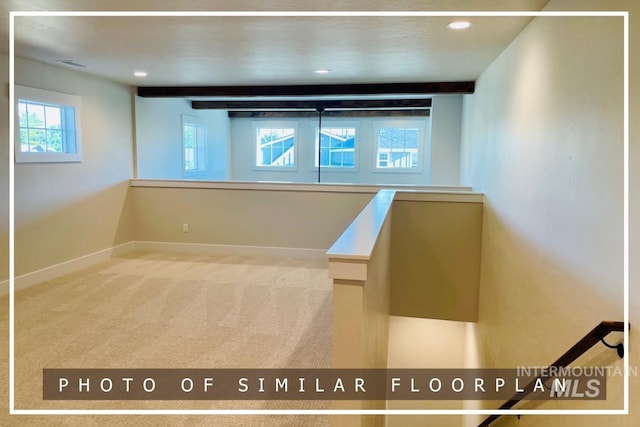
[189, 136]
[275, 147]
[37, 140]
[22, 113]
[42, 128]
[47, 125]
[53, 117]
[189, 159]
[54, 140]
[193, 147]
[398, 147]
[337, 147]
[24, 140]
[35, 115]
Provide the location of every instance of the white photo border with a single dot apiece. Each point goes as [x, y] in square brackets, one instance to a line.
[14, 411]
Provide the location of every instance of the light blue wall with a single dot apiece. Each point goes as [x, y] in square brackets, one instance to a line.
[230, 149]
[159, 139]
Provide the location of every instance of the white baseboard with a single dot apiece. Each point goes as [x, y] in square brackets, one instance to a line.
[236, 250]
[26, 280]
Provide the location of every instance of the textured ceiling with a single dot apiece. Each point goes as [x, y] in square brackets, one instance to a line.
[250, 50]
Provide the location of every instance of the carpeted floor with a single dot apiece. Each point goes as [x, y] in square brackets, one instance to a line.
[153, 310]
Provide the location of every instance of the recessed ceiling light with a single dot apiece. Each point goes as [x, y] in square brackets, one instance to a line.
[140, 74]
[322, 71]
[459, 25]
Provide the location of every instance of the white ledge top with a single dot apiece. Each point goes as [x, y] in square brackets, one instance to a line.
[403, 192]
[358, 240]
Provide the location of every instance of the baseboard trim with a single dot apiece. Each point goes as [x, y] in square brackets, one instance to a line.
[27, 280]
[236, 250]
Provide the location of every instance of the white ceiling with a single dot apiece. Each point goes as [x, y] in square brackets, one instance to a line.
[250, 50]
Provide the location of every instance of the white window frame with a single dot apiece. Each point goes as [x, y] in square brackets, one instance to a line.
[201, 145]
[418, 123]
[275, 125]
[72, 131]
[356, 153]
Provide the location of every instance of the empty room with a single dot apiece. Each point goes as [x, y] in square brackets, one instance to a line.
[344, 214]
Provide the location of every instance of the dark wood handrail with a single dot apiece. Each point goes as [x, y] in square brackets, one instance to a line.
[588, 341]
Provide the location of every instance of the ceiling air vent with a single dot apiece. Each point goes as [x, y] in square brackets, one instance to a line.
[71, 63]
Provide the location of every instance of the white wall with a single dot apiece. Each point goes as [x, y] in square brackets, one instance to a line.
[67, 210]
[4, 171]
[435, 263]
[446, 116]
[230, 150]
[267, 218]
[543, 139]
[425, 344]
[159, 138]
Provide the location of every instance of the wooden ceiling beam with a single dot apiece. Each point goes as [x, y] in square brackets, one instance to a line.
[425, 112]
[312, 104]
[423, 88]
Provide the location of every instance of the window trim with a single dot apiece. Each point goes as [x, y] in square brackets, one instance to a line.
[41, 96]
[275, 124]
[356, 151]
[198, 122]
[423, 144]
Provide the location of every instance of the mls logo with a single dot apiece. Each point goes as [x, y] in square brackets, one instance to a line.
[563, 388]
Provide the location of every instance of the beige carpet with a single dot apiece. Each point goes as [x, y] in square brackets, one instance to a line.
[152, 310]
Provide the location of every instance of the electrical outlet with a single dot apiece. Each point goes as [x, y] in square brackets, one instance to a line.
[185, 228]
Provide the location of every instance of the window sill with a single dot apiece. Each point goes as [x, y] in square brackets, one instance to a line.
[403, 192]
[49, 157]
[416, 171]
[274, 169]
[330, 169]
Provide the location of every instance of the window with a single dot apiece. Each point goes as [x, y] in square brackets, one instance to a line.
[275, 147]
[383, 160]
[193, 146]
[399, 147]
[337, 147]
[47, 126]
